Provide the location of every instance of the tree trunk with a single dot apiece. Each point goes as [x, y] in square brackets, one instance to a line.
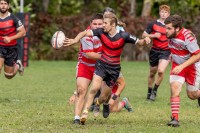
[147, 6]
[132, 12]
[45, 4]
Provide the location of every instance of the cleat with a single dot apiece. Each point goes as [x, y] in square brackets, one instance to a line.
[92, 107]
[153, 96]
[174, 123]
[128, 105]
[198, 101]
[77, 121]
[21, 68]
[148, 96]
[96, 110]
[84, 117]
[106, 110]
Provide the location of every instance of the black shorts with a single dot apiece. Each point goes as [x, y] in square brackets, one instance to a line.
[156, 54]
[108, 72]
[9, 54]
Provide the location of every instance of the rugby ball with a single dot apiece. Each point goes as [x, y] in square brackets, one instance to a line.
[57, 39]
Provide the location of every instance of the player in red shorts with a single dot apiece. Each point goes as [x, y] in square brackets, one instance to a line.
[107, 69]
[159, 53]
[90, 51]
[11, 28]
[185, 54]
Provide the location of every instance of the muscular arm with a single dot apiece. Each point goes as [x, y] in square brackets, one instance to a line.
[68, 42]
[20, 33]
[93, 55]
[187, 63]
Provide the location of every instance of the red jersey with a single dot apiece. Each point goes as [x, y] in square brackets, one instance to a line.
[112, 46]
[89, 44]
[158, 27]
[8, 27]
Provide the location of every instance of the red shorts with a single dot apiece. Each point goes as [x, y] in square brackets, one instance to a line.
[189, 73]
[84, 71]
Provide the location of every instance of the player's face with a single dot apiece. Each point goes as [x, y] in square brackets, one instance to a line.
[164, 14]
[106, 25]
[3, 6]
[96, 23]
[170, 31]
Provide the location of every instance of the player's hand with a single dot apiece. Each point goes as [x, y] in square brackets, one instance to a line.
[157, 35]
[111, 102]
[72, 99]
[6, 39]
[68, 42]
[177, 70]
[147, 40]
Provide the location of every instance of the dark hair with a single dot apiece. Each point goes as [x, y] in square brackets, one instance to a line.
[97, 16]
[108, 9]
[176, 21]
[6, 1]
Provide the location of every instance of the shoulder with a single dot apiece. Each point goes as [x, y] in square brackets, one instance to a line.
[188, 34]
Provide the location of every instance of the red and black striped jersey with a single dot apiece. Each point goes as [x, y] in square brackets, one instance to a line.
[162, 42]
[8, 27]
[112, 46]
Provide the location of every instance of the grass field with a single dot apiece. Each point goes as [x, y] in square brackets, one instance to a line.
[37, 102]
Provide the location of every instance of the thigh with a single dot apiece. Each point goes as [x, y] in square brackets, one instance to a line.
[1, 62]
[162, 65]
[82, 84]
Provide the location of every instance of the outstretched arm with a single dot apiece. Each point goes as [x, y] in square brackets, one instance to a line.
[68, 41]
[144, 41]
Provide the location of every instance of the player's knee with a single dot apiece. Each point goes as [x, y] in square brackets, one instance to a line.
[192, 95]
[160, 73]
[9, 75]
[81, 91]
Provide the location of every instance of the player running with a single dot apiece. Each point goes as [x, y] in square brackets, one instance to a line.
[159, 53]
[11, 28]
[185, 55]
[108, 67]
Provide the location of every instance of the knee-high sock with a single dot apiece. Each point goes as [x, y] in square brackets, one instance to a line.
[175, 105]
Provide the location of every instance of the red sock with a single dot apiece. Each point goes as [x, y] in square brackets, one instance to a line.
[175, 105]
[123, 103]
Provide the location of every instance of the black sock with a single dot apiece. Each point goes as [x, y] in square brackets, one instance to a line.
[155, 88]
[149, 90]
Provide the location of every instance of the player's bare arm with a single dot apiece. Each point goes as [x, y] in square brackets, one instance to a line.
[68, 41]
[20, 33]
[155, 35]
[93, 55]
[189, 62]
[144, 41]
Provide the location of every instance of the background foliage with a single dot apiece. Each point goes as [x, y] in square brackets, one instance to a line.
[72, 16]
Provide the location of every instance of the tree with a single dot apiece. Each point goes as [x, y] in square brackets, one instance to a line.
[147, 7]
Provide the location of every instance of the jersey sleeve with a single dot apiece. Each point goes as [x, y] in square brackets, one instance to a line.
[191, 44]
[87, 44]
[129, 38]
[149, 28]
[98, 32]
[17, 21]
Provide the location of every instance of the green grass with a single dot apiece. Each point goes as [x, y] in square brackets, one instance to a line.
[37, 102]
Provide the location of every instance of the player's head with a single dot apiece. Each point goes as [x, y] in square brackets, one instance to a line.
[108, 10]
[109, 21]
[164, 11]
[96, 21]
[4, 6]
[173, 25]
